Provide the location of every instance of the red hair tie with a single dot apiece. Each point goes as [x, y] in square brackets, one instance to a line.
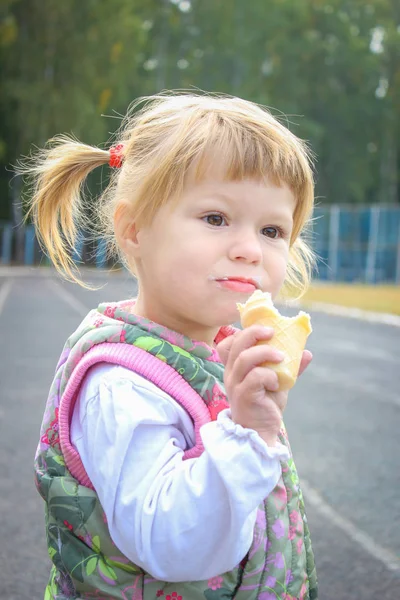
[116, 156]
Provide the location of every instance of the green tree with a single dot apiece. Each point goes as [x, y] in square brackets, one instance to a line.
[64, 65]
[331, 66]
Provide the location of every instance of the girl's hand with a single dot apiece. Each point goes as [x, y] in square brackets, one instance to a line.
[250, 388]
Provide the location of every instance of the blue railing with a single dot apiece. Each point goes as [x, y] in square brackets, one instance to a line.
[353, 243]
[6, 231]
[357, 243]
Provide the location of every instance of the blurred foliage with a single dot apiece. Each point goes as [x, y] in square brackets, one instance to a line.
[329, 68]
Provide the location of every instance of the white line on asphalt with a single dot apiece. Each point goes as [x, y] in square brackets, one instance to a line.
[347, 311]
[386, 557]
[341, 347]
[6, 271]
[4, 291]
[357, 349]
[68, 298]
[328, 375]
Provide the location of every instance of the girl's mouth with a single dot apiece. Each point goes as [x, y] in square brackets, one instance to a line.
[241, 285]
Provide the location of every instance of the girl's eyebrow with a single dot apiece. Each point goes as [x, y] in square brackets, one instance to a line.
[210, 196]
[227, 199]
[275, 214]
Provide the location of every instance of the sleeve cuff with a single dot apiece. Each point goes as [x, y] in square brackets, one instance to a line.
[250, 435]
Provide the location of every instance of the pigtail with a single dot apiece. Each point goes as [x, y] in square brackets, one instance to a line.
[55, 203]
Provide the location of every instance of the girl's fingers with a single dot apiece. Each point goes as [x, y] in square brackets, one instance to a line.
[305, 361]
[251, 358]
[258, 380]
[231, 347]
[242, 340]
[224, 348]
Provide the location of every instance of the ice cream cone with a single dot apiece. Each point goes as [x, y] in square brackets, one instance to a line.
[290, 335]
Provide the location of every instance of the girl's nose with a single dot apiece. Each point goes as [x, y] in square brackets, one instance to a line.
[246, 248]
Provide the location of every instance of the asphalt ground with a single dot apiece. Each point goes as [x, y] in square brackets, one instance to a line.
[343, 420]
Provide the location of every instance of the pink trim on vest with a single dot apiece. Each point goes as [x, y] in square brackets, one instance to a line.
[142, 363]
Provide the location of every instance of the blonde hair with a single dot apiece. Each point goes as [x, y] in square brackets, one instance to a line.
[161, 140]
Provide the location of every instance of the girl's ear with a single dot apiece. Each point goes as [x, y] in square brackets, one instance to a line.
[126, 231]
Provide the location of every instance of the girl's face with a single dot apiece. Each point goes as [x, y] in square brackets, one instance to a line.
[210, 250]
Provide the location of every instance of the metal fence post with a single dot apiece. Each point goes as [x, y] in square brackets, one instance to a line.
[370, 275]
[333, 252]
[6, 244]
[29, 253]
[397, 278]
[101, 254]
[77, 254]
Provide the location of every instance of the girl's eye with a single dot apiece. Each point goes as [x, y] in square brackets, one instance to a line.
[215, 219]
[272, 232]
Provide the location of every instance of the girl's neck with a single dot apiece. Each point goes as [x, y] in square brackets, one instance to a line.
[191, 330]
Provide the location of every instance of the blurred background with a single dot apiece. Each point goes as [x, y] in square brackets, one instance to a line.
[330, 70]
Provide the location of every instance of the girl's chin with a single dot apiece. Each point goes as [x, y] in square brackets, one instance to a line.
[229, 317]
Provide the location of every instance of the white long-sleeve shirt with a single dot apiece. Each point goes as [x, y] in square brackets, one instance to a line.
[180, 520]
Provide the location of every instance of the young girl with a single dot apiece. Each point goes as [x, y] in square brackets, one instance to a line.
[163, 460]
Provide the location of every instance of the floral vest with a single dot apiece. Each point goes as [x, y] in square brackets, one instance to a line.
[86, 562]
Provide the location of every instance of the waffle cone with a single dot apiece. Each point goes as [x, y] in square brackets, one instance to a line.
[290, 335]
